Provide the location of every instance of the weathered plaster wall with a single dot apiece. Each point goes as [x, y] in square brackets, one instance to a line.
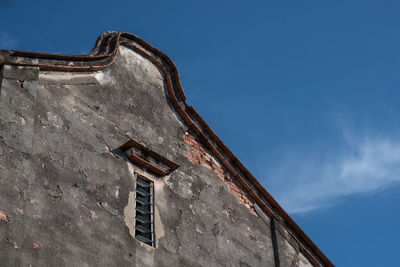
[66, 195]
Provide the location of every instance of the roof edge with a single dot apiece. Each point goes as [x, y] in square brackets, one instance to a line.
[104, 54]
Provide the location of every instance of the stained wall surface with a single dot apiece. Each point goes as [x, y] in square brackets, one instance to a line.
[66, 190]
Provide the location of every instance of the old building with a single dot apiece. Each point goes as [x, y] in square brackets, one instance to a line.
[102, 163]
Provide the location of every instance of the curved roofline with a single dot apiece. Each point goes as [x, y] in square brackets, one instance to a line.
[104, 54]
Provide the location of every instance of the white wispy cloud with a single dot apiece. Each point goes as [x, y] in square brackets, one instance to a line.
[304, 183]
[7, 41]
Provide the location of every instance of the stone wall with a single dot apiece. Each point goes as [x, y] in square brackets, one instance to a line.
[66, 193]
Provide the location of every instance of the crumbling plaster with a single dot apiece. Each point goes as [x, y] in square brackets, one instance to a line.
[65, 191]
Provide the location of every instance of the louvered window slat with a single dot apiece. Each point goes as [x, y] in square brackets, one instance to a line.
[142, 192]
[143, 183]
[142, 201]
[143, 229]
[143, 210]
[144, 239]
[142, 219]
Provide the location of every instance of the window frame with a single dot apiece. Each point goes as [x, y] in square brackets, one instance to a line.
[151, 210]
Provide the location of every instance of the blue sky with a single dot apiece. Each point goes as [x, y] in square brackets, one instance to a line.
[304, 92]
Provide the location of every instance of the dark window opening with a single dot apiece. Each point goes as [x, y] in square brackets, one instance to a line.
[144, 211]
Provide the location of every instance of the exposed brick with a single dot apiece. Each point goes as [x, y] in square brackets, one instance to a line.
[3, 216]
[200, 156]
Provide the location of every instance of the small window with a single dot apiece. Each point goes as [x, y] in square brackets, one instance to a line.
[144, 210]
